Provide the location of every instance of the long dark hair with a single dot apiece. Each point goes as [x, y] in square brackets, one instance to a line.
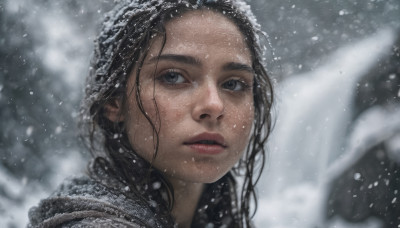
[123, 43]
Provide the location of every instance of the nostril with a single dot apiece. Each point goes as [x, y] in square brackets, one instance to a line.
[202, 116]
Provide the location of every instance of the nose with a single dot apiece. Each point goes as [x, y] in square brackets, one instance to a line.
[208, 104]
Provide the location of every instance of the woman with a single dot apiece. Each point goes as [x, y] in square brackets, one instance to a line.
[177, 103]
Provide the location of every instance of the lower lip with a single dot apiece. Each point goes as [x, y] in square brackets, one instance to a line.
[207, 149]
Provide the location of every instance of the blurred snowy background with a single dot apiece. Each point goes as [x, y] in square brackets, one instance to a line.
[334, 156]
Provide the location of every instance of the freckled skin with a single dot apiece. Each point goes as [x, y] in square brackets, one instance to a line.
[200, 104]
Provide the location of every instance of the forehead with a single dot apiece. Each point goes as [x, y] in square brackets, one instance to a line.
[204, 26]
[203, 34]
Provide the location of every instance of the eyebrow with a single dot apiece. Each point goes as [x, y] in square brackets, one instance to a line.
[177, 58]
[231, 66]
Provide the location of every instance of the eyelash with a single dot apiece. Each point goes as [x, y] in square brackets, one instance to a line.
[182, 80]
[244, 86]
[172, 72]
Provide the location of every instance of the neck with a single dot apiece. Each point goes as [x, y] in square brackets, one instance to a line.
[187, 196]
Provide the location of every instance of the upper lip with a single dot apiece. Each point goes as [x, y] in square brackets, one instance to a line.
[215, 137]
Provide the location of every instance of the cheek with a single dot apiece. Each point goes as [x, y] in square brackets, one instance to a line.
[139, 130]
[170, 110]
[171, 113]
[241, 125]
[242, 117]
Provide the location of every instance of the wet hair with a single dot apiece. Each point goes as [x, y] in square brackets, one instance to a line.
[122, 45]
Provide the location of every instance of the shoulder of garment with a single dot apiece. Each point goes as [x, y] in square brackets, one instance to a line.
[84, 202]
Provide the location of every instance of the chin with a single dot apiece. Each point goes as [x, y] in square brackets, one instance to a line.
[206, 175]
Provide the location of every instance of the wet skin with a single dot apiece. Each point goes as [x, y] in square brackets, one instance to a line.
[202, 84]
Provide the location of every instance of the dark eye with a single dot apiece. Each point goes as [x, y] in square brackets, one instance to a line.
[234, 85]
[172, 78]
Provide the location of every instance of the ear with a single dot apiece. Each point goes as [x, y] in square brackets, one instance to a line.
[113, 110]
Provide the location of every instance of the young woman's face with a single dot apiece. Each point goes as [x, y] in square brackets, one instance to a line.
[202, 85]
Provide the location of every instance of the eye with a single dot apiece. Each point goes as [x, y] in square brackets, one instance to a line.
[234, 85]
[172, 77]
